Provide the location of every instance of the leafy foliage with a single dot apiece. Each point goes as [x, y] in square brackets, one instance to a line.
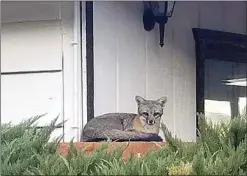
[220, 150]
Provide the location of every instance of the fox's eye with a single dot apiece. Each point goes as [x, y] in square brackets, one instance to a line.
[156, 115]
[145, 114]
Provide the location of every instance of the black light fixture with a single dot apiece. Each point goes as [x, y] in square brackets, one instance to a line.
[157, 12]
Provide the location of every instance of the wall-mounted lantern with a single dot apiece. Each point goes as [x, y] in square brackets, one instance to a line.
[157, 12]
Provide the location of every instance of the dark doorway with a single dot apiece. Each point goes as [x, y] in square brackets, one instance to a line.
[89, 56]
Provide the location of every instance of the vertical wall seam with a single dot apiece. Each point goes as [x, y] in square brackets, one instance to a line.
[246, 34]
[199, 26]
[83, 62]
[117, 59]
[146, 63]
[173, 84]
[62, 57]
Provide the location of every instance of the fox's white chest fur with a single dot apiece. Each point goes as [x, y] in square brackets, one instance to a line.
[141, 125]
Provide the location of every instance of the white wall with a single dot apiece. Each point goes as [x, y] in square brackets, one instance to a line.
[128, 60]
[34, 36]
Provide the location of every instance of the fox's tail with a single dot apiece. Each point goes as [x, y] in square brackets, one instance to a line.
[119, 136]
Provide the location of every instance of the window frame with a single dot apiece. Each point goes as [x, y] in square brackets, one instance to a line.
[215, 45]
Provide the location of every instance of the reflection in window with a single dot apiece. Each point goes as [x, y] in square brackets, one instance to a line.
[242, 105]
[225, 89]
[217, 111]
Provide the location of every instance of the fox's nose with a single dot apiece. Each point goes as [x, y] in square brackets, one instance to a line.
[151, 122]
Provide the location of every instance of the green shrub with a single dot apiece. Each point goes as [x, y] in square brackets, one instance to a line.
[20, 144]
[220, 150]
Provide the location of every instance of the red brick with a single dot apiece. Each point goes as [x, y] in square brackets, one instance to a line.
[137, 148]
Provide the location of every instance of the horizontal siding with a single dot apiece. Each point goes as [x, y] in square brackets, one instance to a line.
[30, 11]
[33, 36]
[25, 96]
[33, 45]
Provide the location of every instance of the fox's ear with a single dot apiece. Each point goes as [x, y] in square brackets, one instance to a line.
[162, 101]
[139, 100]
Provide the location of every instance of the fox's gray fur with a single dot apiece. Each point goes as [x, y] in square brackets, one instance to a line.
[143, 126]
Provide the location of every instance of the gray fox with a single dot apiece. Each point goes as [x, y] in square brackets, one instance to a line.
[121, 127]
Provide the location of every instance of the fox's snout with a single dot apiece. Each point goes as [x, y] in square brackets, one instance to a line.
[151, 122]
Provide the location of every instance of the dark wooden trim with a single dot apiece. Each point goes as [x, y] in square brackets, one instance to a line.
[31, 72]
[234, 104]
[225, 56]
[220, 45]
[90, 59]
[216, 45]
[238, 40]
